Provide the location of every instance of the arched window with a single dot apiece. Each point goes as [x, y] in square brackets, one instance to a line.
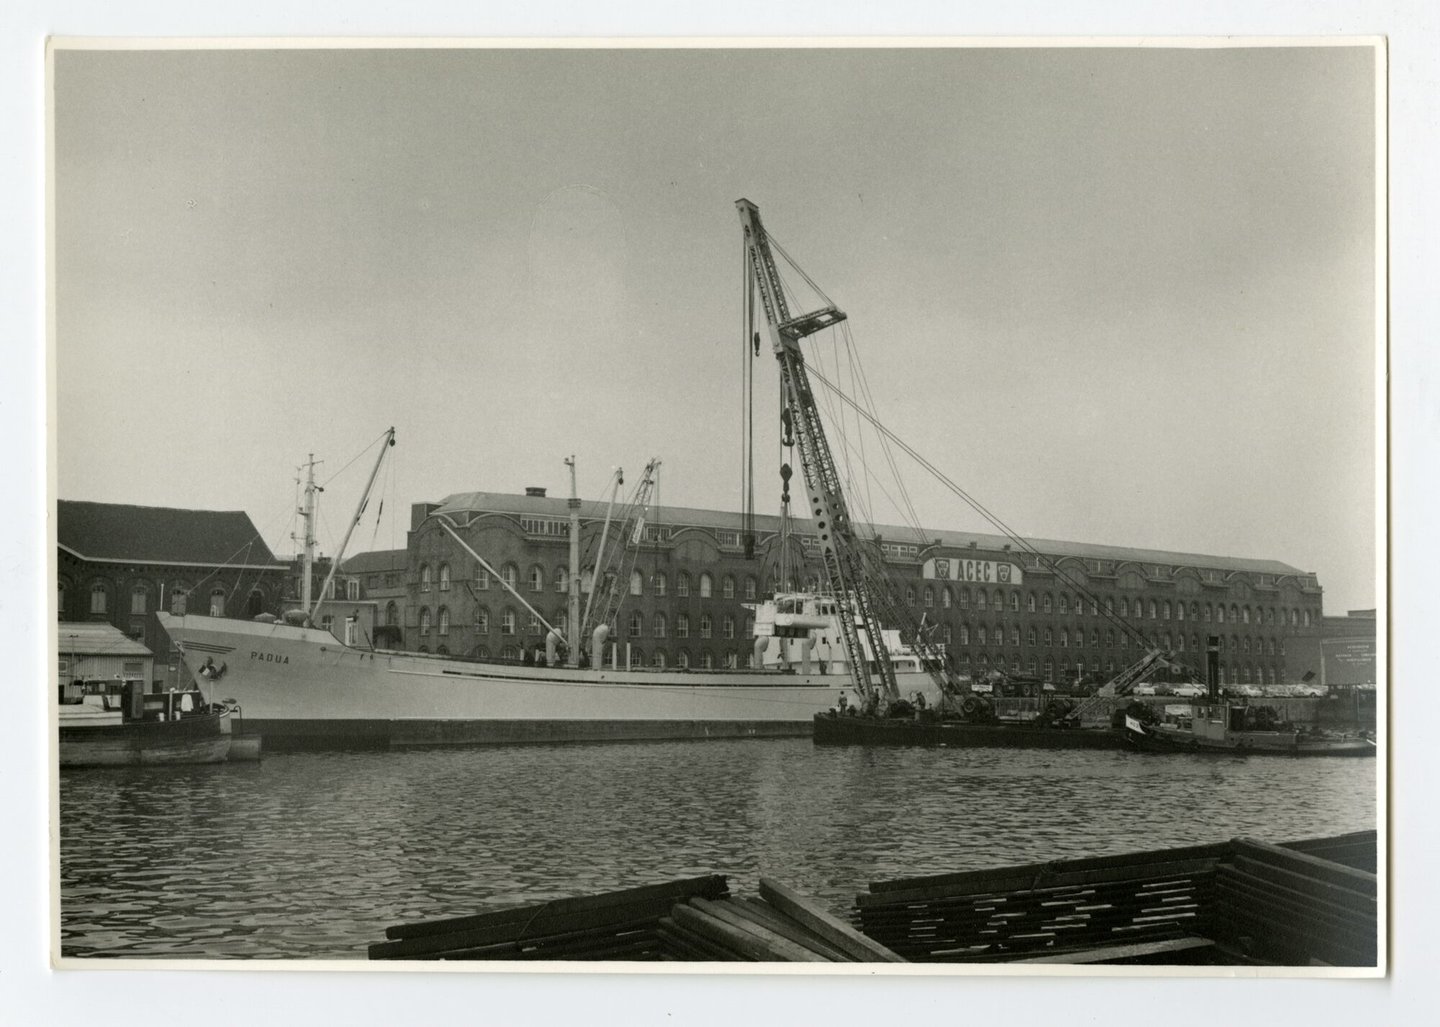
[179, 598]
[561, 620]
[443, 620]
[1109, 605]
[1014, 602]
[964, 634]
[659, 625]
[707, 660]
[707, 586]
[964, 599]
[946, 635]
[533, 626]
[1234, 614]
[510, 652]
[909, 597]
[750, 586]
[562, 579]
[1306, 618]
[929, 597]
[1049, 670]
[1064, 603]
[1165, 610]
[1180, 643]
[1219, 613]
[682, 659]
[980, 634]
[659, 584]
[424, 620]
[1045, 603]
[1094, 638]
[537, 578]
[1064, 638]
[507, 621]
[728, 626]
[1110, 640]
[139, 600]
[481, 652]
[1152, 609]
[1167, 640]
[1014, 634]
[482, 620]
[217, 602]
[482, 578]
[424, 577]
[980, 599]
[442, 650]
[1049, 638]
[99, 597]
[1245, 615]
[1124, 607]
[444, 577]
[705, 625]
[510, 573]
[1179, 611]
[682, 585]
[637, 583]
[1030, 636]
[658, 660]
[637, 624]
[682, 625]
[999, 600]
[727, 587]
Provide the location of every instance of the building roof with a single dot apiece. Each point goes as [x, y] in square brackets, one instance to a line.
[82, 638]
[158, 534]
[375, 561]
[554, 506]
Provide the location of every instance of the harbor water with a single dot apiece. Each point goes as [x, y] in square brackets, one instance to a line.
[312, 855]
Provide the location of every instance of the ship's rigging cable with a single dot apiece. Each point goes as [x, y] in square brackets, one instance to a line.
[905, 507]
[1097, 607]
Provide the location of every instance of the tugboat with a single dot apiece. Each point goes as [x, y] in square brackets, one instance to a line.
[1237, 728]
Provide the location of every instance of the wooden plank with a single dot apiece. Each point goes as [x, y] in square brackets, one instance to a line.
[1320, 891]
[831, 928]
[729, 937]
[1311, 866]
[748, 905]
[709, 886]
[1045, 871]
[1297, 941]
[792, 951]
[535, 927]
[1120, 953]
[1292, 909]
[1056, 880]
[693, 945]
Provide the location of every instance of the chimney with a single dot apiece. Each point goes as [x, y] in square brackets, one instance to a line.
[535, 490]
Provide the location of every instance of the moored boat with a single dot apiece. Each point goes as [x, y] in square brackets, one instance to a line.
[133, 728]
[1229, 729]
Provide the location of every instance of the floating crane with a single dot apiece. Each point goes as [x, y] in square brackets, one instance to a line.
[856, 602]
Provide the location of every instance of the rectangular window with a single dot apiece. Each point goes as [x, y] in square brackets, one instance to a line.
[138, 599]
[352, 589]
[729, 626]
[682, 626]
[705, 626]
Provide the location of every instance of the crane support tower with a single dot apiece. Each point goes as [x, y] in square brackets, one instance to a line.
[839, 552]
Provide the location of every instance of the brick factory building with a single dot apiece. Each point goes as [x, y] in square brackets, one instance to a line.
[685, 592]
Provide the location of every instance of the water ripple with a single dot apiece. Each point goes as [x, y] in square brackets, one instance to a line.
[312, 855]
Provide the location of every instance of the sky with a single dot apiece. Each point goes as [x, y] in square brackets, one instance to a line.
[1121, 295]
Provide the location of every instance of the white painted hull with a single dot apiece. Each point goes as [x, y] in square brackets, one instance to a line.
[303, 683]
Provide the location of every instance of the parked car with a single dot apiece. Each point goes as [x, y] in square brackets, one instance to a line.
[1311, 691]
[1188, 691]
[1145, 689]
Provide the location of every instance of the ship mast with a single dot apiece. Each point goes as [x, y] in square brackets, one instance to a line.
[310, 610]
[572, 656]
[839, 549]
[307, 513]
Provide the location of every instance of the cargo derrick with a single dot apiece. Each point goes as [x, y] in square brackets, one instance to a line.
[856, 603]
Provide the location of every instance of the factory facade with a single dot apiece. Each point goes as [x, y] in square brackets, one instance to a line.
[680, 593]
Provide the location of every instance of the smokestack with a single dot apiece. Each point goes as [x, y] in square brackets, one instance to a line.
[1212, 666]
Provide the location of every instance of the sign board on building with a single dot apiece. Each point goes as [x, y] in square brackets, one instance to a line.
[1348, 661]
[952, 568]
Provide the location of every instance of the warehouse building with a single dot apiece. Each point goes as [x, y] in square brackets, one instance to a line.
[1076, 609]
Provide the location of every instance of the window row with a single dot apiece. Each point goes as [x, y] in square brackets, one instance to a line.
[1138, 608]
[439, 578]
[1229, 673]
[178, 596]
[1066, 638]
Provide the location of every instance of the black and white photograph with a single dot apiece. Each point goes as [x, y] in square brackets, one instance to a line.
[716, 506]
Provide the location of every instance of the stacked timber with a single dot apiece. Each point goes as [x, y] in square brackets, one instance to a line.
[1134, 907]
[621, 925]
[696, 919]
[781, 926]
[1287, 905]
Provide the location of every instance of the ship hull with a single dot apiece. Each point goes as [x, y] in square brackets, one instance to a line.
[1246, 743]
[302, 687]
[197, 739]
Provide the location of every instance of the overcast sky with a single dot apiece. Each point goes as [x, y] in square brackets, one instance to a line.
[1122, 296]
